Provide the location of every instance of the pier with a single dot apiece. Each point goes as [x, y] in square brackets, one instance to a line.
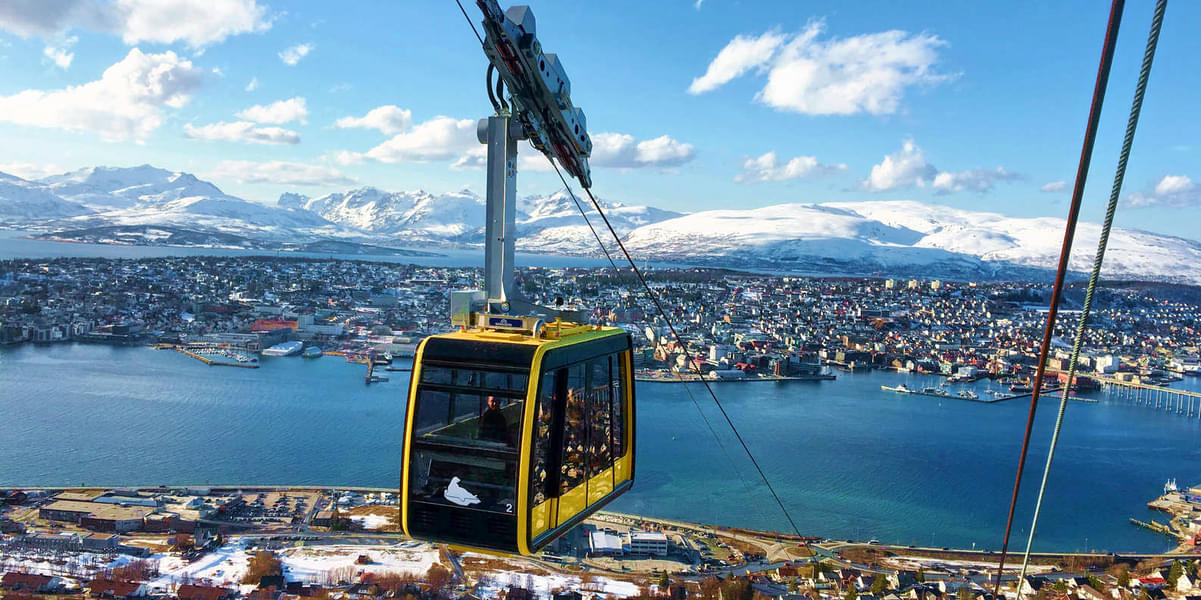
[1154, 526]
[371, 376]
[204, 359]
[949, 396]
[1160, 397]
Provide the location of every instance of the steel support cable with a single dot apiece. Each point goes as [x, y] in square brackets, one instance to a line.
[469, 22]
[1086, 153]
[1119, 176]
[580, 207]
[680, 341]
[708, 424]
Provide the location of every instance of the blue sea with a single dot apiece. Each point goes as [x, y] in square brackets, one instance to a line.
[848, 460]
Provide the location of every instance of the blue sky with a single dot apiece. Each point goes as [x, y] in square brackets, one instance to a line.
[973, 105]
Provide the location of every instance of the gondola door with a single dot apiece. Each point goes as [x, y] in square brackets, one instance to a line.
[580, 457]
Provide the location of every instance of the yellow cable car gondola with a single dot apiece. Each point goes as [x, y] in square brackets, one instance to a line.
[517, 429]
[513, 438]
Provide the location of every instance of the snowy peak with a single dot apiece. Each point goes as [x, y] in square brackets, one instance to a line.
[906, 238]
[104, 188]
[546, 223]
[419, 213]
[22, 200]
[292, 200]
[146, 197]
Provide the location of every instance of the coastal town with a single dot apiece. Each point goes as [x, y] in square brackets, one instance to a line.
[274, 543]
[277, 543]
[733, 326]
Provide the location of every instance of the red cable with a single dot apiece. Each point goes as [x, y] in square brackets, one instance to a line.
[1086, 154]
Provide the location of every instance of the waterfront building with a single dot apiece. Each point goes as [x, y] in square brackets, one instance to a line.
[604, 542]
[651, 543]
[96, 516]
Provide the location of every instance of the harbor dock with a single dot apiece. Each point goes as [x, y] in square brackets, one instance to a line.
[660, 377]
[950, 396]
[206, 360]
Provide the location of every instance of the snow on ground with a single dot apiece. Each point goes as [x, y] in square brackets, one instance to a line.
[224, 567]
[312, 563]
[925, 562]
[83, 564]
[544, 584]
[370, 522]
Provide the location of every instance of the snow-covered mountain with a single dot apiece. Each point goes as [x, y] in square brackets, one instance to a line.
[153, 206]
[225, 214]
[553, 223]
[906, 238]
[544, 223]
[403, 216]
[103, 188]
[135, 200]
[22, 200]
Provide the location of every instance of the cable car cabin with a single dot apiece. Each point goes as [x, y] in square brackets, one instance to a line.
[511, 439]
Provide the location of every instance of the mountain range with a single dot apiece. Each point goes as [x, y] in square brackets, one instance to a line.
[148, 205]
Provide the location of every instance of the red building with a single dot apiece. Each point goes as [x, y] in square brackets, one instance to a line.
[261, 325]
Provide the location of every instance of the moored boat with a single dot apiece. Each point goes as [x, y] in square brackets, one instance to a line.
[284, 349]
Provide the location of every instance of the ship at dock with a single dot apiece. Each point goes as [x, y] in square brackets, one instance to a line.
[312, 352]
[284, 349]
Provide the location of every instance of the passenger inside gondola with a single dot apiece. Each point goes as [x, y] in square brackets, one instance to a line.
[492, 424]
[471, 418]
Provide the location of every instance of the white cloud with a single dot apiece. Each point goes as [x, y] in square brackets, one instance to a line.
[253, 85]
[242, 131]
[446, 138]
[768, 168]
[620, 150]
[475, 160]
[909, 168]
[529, 160]
[1174, 184]
[293, 54]
[280, 111]
[864, 73]
[58, 52]
[1175, 191]
[279, 172]
[195, 22]
[534, 161]
[126, 102]
[738, 57]
[440, 138]
[50, 17]
[903, 169]
[345, 157]
[1054, 186]
[389, 119]
[27, 170]
[975, 180]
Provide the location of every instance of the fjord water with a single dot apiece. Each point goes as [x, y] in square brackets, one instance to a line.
[849, 460]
